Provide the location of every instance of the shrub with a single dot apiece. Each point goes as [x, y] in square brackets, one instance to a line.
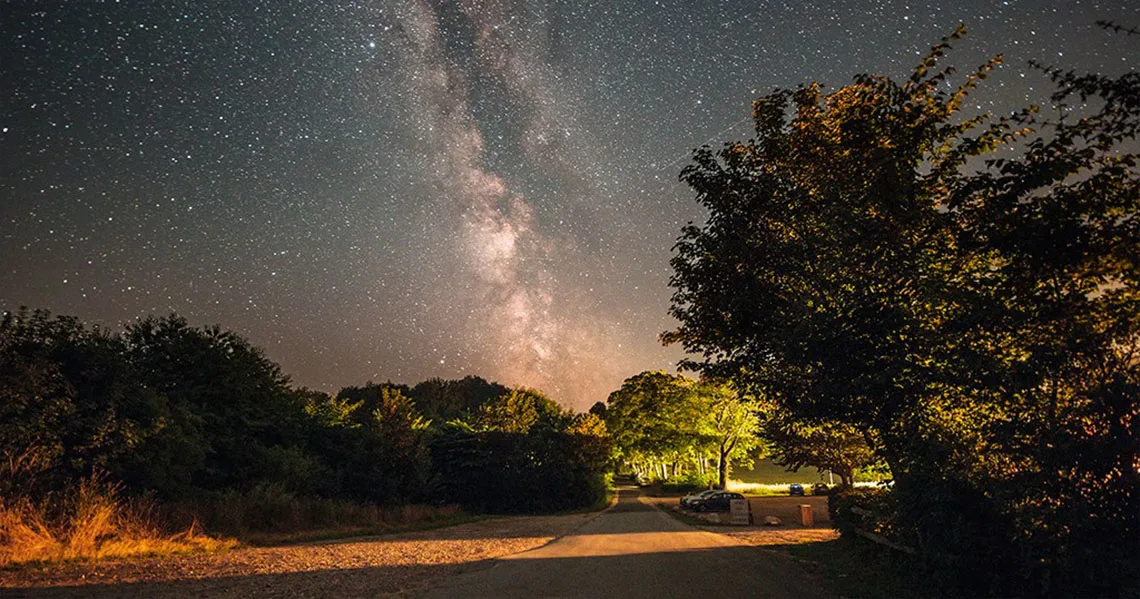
[689, 482]
[537, 471]
[875, 500]
[271, 509]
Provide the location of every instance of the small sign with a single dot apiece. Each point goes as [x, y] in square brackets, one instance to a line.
[740, 512]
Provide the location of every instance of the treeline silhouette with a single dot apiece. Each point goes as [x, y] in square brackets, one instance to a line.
[170, 411]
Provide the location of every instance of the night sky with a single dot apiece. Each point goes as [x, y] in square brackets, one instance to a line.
[397, 190]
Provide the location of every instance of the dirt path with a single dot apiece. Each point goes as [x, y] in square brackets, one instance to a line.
[364, 567]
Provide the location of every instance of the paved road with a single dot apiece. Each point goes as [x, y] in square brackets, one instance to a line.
[636, 550]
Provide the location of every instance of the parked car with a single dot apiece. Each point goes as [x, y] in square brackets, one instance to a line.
[796, 489]
[687, 500]
[820, 489]
[718, 501]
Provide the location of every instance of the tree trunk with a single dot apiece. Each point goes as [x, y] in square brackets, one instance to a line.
[722, 468]
[846, 477]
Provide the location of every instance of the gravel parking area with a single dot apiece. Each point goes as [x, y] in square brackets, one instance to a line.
[391, 565]
[787, 509]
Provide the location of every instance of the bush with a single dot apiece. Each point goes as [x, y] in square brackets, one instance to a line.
[689, 482]
[876, 500]
[273, 510]
[537, 471]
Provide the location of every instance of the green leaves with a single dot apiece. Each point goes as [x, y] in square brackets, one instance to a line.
[660, 418]
[861, 268]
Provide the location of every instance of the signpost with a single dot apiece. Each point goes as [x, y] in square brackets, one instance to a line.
[739, 512]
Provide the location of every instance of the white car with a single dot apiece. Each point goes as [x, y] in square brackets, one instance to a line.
[687, 500]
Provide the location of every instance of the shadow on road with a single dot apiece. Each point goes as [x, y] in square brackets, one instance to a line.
[340, 582]
[628, 501]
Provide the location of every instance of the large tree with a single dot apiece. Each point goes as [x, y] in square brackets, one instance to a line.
[834, 446]
[977, 319]
[653, 420]
[730, 421]
[521, 410]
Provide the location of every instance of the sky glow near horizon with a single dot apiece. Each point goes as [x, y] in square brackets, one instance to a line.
[399, 190]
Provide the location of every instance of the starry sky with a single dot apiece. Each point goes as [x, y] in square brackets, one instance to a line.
[404, 189]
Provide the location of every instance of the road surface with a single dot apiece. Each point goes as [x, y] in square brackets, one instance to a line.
[636, 550]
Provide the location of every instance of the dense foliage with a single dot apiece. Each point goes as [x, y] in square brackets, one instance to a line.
[977, 321]
[173, 411]
[825, 445]
[661, 424]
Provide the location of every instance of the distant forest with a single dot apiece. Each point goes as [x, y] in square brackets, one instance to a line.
[170, 411]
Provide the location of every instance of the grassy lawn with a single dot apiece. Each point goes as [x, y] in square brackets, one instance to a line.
[765, 472]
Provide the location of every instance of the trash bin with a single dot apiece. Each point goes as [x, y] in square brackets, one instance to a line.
[806, 516]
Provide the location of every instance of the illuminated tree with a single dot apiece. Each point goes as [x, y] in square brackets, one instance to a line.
[519, 411]
[834, 446]
[979, 325]
[730, 421]
[653, 420]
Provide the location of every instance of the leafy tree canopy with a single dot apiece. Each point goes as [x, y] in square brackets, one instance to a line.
[963, 290]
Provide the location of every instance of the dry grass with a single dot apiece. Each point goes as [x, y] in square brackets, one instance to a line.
[91, 523]
[773, 489]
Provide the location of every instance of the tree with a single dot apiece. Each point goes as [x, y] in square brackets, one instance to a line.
[519, 411]
[976, 319]
[73, 405]
[238, 400]
[730, 421]
[653, 420]
[443, 400]
[830, 445]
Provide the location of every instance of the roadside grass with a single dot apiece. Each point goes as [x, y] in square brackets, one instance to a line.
[333, 533]
[92, 522]
[848, 568]
[853, 569]
[687, 517]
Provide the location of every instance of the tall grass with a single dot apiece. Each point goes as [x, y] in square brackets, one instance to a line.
[767, 489]
[270, 513]
[91, 522]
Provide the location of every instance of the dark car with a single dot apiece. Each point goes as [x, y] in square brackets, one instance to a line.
[718, 501]
[820, 489]
[687, 500]
[796, 489]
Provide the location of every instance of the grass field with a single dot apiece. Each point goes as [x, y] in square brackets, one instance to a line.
[766, 473]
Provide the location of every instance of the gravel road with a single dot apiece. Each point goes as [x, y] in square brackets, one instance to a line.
[393, 565]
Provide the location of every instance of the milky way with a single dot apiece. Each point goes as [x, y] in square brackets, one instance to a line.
[397, 190]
